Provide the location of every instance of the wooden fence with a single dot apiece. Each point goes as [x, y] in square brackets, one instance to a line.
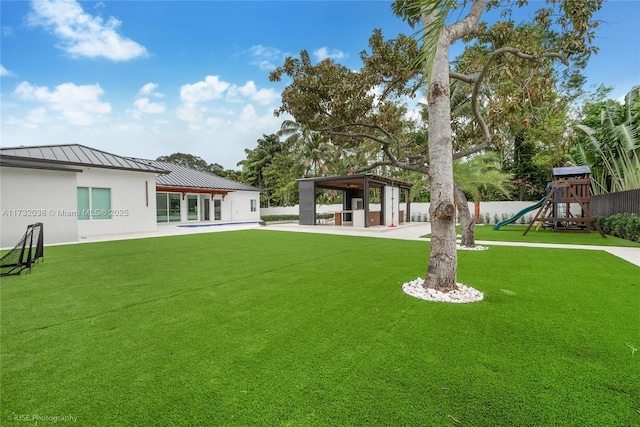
[613, 203]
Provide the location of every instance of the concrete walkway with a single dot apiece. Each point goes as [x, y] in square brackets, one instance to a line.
[413, 231]
[408, 231]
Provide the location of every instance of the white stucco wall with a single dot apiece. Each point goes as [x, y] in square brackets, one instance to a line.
[132, 210]
[237, 206]
[28, 196]
[508, 208]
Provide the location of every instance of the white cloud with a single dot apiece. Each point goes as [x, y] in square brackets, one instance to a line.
[78, 105]
[265, 57]
[193, 114]
[144, 105]
[204, 102]
[81, 34]
[205, 90]
[150, 90]
[250, 91]
[325, 52]
[4, 72]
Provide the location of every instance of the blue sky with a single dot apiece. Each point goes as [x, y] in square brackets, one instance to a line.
[151, 78]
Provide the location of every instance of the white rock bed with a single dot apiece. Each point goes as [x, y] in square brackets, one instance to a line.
[475, 248]
[464, 294]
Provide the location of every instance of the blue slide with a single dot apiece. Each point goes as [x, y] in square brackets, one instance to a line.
[519, 214]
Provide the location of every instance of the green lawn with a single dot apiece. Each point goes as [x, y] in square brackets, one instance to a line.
[262, 327]
[513, 233]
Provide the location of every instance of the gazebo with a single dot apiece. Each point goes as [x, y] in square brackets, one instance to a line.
[356, 193]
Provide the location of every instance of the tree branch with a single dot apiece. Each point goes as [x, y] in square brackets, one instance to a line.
[469, 24]
[462, 77]
[356, 135]
[401, 165]
[483, 73]
[472, 150]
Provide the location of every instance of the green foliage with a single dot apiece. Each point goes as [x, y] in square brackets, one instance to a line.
[360, 115]
[197, 163]
[274, 218]
[609, 143]
[480, 175]
[623, 225]
[269, 167]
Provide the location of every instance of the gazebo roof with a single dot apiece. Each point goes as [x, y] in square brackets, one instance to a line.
[357, 181]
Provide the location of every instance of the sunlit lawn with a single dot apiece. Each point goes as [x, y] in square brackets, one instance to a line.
[260, 327]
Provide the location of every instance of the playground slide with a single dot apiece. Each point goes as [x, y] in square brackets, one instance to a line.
[519, 214]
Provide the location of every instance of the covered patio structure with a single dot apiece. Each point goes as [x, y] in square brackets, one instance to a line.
[356, 195]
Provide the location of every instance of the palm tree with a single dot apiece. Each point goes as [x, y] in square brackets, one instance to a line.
[258, 160]
[476, 176]
[309, 147]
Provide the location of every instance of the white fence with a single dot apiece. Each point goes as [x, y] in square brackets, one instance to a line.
[490, 212]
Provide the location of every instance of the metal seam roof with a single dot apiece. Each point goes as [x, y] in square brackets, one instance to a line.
[169, 174]
[181, 176]
[76, 154]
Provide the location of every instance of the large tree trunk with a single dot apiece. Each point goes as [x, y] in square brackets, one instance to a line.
[467, 224]
[443, 261]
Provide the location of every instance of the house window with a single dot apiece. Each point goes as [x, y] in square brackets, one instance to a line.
[84, 205]
[254, 204]
[100, 203]
[162, 210]
[168, 207]
[217, 209]
[192, 208]
[94, 203]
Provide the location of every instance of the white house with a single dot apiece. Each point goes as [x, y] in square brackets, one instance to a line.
[78, 191]
[185, 195]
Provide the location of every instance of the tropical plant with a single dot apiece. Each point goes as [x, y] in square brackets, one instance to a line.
[482, 174]
[307, 146]
[611, 146]
[257, 162]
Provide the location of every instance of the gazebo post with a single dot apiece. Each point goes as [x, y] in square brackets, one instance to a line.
[366, 201]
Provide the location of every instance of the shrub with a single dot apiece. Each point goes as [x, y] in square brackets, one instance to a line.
[623, 225]
[420, 217]
[271, 218]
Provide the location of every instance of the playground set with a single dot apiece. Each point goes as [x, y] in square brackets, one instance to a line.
[565, 207]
